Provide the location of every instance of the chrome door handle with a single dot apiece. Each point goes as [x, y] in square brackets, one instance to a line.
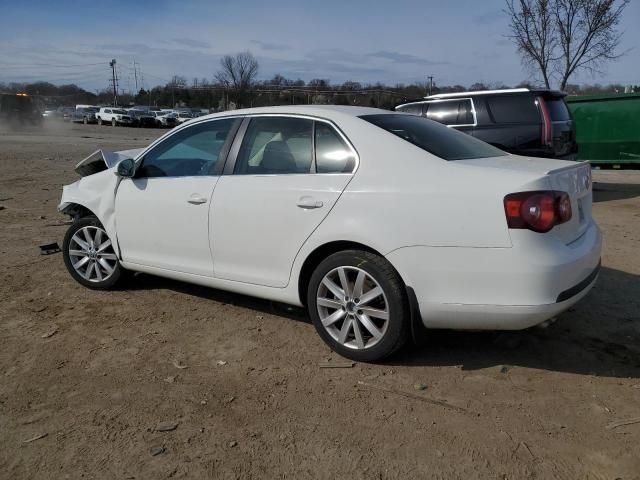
[309, 203]
[196, 199]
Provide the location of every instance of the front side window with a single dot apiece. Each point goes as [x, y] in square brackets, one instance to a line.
[332, 153]
[193, 151]
[446, 143]
[276, 145]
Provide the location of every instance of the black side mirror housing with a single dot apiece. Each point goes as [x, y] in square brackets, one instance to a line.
[126, 168]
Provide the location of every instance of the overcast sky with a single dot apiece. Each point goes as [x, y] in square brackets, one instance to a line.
[402, 41]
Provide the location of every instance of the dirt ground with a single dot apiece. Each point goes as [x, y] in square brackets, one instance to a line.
[89, 380]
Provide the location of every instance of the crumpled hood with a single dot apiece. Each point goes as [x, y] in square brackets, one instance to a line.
[101, 160]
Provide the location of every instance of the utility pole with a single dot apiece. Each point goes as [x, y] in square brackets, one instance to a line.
[114, 81]
[135, 74]
[430, 77]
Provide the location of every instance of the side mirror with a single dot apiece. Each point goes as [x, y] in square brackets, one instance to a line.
[126, 168]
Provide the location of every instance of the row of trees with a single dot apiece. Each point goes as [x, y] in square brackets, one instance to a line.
[213, 95]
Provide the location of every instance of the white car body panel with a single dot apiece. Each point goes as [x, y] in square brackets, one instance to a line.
[175, 239]
[267, 204]
[440, 224]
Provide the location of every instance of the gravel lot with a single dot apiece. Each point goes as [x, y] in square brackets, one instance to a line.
[89, 381]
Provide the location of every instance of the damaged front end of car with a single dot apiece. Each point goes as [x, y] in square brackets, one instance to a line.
[95, 193]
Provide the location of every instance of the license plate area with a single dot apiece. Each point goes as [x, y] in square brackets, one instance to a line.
[580, 211]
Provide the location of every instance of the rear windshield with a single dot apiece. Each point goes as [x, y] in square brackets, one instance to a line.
[444, 142]
[558, 110]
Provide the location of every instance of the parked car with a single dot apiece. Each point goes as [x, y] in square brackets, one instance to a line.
[50, 112]
[182, 117]
[66, 113]
[85, 115]
[167, 119]
[519, 120]
[114, 116]
[141, 118]
[369, 218]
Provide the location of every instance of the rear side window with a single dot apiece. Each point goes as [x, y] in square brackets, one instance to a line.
[413, 108]
[558, 110]
[446, 143]
[514, 109]
[332, 153]
[276, 145]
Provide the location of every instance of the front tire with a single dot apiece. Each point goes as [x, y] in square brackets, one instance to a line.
[89, 255]
[99, 121]
[113, 122]
[359, 306]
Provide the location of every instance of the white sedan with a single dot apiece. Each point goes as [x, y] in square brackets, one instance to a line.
[378, 222]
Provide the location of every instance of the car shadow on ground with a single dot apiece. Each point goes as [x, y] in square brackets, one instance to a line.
[599, 336]
[606, 192]
[142, 281]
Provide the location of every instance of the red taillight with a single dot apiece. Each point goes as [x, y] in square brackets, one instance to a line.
[538, 211]
[547, 125]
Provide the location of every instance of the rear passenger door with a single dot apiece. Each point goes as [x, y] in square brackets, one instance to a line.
[283, 176]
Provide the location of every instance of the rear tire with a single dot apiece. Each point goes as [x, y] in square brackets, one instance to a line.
[89, 255]
[359, 305]
[85, 120]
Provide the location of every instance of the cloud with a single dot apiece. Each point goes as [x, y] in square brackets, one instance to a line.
[189, 42]
[270, 46]
[397, 57]
[488, 18]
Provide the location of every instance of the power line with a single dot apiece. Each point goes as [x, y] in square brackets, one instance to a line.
[56, 65]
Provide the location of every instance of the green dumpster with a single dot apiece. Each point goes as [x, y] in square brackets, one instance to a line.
[607, 128]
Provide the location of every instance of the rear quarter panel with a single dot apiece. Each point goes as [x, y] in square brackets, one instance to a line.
[401, 196]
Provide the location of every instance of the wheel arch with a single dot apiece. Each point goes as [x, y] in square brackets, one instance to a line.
[323, 251]
[77, 210]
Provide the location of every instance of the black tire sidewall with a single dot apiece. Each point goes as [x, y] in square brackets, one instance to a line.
[77, 225]
[391, 283]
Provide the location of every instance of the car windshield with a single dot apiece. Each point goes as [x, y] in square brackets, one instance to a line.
[444, 142]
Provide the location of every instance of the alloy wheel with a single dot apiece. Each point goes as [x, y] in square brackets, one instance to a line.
[353, 307]
[92, 255]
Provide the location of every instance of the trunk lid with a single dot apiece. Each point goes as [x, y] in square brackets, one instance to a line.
[574, 178]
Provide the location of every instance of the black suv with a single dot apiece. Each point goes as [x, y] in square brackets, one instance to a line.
[522, 121]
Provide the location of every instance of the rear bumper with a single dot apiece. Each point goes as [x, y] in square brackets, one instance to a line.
[499, 288]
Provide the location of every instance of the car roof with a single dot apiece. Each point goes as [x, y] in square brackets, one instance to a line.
[495, 92]
[331, 112]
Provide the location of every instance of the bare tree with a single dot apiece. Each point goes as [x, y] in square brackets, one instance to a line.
[533, 29]
[562, 37]
[238, 72]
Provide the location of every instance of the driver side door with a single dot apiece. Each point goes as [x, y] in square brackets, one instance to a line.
[162, 213]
